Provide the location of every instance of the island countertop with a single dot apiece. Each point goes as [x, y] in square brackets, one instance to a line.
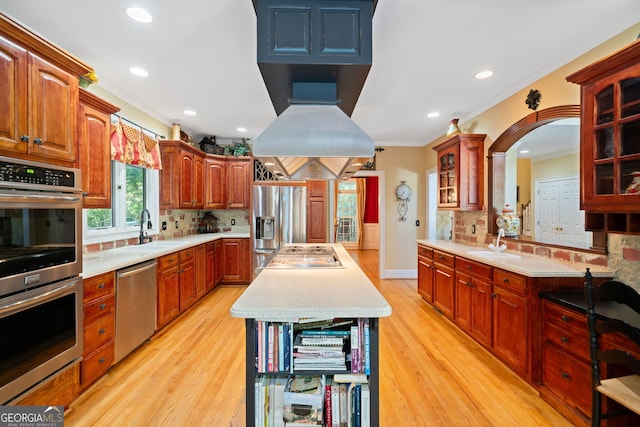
[527, 265]
[290, 294]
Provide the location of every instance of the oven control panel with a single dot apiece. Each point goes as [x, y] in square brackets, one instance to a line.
[37, 174]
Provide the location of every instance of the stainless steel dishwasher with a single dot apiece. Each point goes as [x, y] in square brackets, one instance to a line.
[135, 307]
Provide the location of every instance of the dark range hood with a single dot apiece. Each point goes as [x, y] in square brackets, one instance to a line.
[314, 57]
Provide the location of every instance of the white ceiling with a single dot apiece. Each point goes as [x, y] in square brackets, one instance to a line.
[201, 55]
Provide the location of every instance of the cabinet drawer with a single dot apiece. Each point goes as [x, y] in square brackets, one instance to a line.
[443, 258]
[98, 332]
[475, 268]
[187, 254]
[567, 377]
[425, 251]
[100, 307]
[567, 340]
[97, 363]
[168, 261]
[510, 280]
[98, 286]
[564, 318]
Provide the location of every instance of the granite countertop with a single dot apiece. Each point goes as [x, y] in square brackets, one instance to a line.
[527, 265]
[96, 263]
[293, 293]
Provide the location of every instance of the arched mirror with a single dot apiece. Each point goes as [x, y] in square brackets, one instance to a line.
[534, 167]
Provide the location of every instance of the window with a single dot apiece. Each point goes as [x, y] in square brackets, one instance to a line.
[133, 188]
[347, 212]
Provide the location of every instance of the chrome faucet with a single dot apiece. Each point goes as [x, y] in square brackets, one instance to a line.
[144, 237]
[497, 247]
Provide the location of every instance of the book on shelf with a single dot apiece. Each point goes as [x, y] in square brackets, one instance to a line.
[344, 405]
[350, 378]
[365, 406]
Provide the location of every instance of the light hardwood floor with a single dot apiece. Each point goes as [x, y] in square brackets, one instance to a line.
[431, 374]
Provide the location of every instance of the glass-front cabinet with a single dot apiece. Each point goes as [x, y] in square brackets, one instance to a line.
[610, 141]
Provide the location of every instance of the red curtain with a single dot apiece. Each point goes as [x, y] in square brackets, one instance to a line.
[132, 146]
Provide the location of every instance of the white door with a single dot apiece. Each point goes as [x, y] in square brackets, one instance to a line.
[559, 215]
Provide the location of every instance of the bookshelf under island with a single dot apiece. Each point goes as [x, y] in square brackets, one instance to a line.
[291, 314]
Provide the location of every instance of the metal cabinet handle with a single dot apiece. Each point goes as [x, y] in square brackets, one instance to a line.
[101, 360]
[505, 280]
[564, 375]
[564, 339]
[493, 295]
[37, 141]
[101, 331]
[564, 318]
[24, 138]
[103, 306]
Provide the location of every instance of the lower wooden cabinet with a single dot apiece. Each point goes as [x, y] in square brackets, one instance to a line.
[168, 289]
[201, 276]
[236, 265]
[425, 273]
[218, 261]
[187, 278]
[443, 282]
[98, 326]
[473, 299]
[61, 390]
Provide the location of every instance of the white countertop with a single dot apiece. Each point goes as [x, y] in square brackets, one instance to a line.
[527, 265]
[96, 263]
[289, 294]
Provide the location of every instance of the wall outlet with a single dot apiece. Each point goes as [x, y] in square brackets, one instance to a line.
[233, 221]
[417, 223]
[177, 224]
[164, 225]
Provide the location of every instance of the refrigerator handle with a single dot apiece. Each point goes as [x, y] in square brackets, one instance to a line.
[258, 228]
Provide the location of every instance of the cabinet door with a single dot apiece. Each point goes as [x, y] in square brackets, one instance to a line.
[215, 183]
[448, 177]
[482, 311]
[443, 293]
[470, 173]
[13, 98]
[168, 295]
[218, 260]
[425, 278]
[198, 182]
[169, 177]
[187, 187]
[236, 261]
[95, 157]
[316, 211]
[510, 328]
[201, 276]
[463, 301]
[210, 266]
[238, 184]
[53, 95]
[187, 278]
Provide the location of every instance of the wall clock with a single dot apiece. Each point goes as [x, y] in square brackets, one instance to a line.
[403, 193]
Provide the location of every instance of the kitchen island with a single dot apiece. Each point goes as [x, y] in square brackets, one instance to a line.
[295, 294]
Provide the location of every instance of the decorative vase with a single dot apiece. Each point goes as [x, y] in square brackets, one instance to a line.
[175, 132]
[634, 186]
[509, 222]
[453, 128]
[84, 82]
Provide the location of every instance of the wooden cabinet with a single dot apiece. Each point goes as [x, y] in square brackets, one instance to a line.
[210, 266]
[38, 109]
[610, 140]
[510, 319]
[99, 327]
[94, 149]
[201, 271]
[443, 282]
[425, 273]
[236, 261]
[473, 302]
[60, 390]
[218, 261]
[187, 275]
[461, 172]
[168, 295]
[316, 211]
[239, 183]
[215, 182]
[181, 177]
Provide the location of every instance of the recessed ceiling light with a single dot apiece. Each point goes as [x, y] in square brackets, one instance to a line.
[241, 129]
[433, 115]
[140, 72]
[189, 112]
[524, 151]
[139, 14]
[484, 74]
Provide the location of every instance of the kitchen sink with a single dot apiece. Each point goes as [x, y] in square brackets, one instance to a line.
[493, 255]
[153, 246]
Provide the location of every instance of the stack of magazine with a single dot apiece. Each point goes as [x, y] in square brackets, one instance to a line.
[320, 349]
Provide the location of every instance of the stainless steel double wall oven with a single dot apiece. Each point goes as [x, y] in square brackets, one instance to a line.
[40, 266]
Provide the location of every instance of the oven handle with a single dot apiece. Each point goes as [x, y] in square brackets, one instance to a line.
[30, 302]
[8, 197]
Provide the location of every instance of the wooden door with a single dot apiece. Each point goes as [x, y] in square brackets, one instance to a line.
[169, 176]
[463, 301]
[187, 278]
[425, 278]
[218, 260]
[238, 184]
[201, 273]
[215, 183]
[316, 211]
[510, 328]
[210, 266]
[443, 293]
[53, 95]
[187, 170]
[168, 292]
[482, 312]
[559, 215]
[233, 261]
[198, 182]
[13, 98]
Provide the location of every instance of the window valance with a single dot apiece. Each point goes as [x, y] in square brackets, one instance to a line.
[133, 146]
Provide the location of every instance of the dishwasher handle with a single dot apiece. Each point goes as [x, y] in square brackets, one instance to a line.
[123, 274]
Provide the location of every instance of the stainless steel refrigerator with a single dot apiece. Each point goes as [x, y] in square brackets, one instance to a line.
[279, 217]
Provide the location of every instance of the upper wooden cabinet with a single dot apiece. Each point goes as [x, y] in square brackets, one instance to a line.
[182, 176]
[316, 211]
[239, 183]
[461, 172]
[610, 140]
[215, 183]
[38, 107]
[94, 149]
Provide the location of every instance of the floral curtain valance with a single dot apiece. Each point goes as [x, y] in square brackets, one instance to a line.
[133, 146]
